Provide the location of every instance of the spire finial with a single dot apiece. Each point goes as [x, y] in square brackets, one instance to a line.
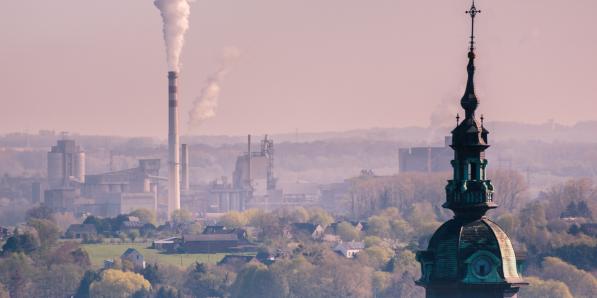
[469, 101]
[473, 11]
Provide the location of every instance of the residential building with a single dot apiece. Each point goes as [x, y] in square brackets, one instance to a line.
[349, 249]
[135, 257]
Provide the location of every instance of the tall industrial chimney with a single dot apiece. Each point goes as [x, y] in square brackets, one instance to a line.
[184, 166]
[249, 156]
[173, 146]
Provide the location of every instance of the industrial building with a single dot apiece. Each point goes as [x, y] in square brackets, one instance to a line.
[66, 164]
[66, 172]
[426, 159]
[253, 183]
[120, 192]
[107, 194]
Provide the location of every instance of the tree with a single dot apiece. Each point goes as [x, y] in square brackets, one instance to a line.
[584, 210]
[257, 281]
[206, 281]
[233, 219]
[404, 261]
[379, 226]
[16, 272]
[3, 292]
[133, 234]
[270, 226]
[401, 229]
[320, 217]
[84, 286]
[376, 256]
[115, 284]
[539, 288]
[580, 282]
[381, 281]
[144, 215]
[581, 255]
[181, 216]
[59, 280]
[508, 222]
[152, 274]
[299, 214]
[168, 292]
[47, 231]
[25, 243]
[511, 188]
[66, 253]
[403, 286]
[40, 212]
[347, 231]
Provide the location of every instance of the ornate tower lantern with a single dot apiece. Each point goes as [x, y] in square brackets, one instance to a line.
[469, 255]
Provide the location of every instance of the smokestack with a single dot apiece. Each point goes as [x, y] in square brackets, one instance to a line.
[173, 146]
[249, 160]
[184, 166]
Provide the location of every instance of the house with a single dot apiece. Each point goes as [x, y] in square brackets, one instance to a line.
[135, 257]
[81, 231]
[167, 244]
[266, 258]
[129, 225]
[213, 239]
[349, 249]
[298, 230]
[236, 262]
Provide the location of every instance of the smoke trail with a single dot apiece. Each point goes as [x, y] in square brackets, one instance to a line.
[442, 119]
[175, 14]
[204, 106]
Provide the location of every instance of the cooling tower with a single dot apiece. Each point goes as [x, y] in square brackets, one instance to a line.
[173, 146]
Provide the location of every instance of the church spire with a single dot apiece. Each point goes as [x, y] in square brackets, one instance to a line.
[469, 101]
[469, 255]
[469, 193]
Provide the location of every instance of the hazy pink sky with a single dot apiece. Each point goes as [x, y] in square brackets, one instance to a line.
[312, 65]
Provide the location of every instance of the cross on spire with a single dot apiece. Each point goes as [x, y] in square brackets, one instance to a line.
[473, 11]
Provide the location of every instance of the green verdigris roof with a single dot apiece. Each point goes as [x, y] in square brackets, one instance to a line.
[457, 240]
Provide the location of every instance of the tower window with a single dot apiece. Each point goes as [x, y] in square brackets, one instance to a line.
[482, 266]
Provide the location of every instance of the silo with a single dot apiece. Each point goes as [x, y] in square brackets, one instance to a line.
[80, 166]
[55, 169]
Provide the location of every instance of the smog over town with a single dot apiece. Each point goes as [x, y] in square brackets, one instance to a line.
[196, 148]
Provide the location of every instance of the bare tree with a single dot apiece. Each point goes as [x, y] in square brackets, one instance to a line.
[511, 188]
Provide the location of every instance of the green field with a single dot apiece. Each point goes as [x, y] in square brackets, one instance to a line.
[100, 252]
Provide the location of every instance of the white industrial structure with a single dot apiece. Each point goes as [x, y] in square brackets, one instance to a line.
[66, 163]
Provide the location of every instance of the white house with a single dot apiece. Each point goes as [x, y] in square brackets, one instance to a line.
[349, 249]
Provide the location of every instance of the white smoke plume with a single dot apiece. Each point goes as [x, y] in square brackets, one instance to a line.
[204, 106]
[175, 14]
[443, 119]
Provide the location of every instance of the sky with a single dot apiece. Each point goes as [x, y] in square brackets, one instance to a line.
[99, 67]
